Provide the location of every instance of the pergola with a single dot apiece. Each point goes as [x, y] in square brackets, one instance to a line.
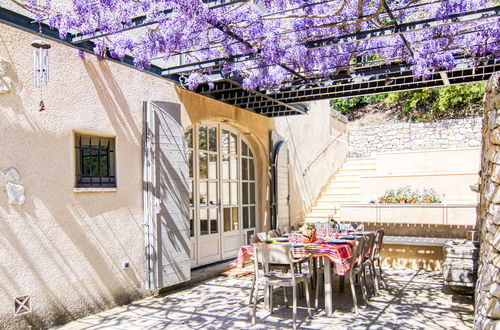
[363, 75]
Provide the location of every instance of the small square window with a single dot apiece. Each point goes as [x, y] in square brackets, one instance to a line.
[95, 161]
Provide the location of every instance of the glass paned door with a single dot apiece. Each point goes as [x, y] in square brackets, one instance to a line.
[222, 192]
[208, 196]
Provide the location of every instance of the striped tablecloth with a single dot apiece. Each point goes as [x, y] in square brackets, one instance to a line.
[339, 254]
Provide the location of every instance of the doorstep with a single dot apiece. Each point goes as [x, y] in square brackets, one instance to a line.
[202, 273]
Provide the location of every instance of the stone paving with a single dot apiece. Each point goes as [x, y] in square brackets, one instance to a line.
[412, 300]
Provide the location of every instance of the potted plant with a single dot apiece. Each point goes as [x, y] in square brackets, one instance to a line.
[414, 197]
[430, 196]
[203, 199]
[383, 199]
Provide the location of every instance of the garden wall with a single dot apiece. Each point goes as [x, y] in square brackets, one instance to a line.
[488, 213]
[446, 134]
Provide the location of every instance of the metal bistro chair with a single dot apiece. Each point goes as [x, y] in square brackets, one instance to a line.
[357, 270]
[267, 255]
[370, 248]
[379, 241]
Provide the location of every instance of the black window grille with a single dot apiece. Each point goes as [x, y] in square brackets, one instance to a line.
[95, 161]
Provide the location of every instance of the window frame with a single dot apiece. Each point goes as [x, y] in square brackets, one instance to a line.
[100, 181]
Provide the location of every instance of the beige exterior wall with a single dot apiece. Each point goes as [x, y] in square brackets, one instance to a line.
[449, 172]
[63, 248]
[318, 148]
[411, 214]
[429, 161]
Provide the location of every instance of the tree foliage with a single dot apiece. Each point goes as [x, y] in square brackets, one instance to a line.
[454, 101]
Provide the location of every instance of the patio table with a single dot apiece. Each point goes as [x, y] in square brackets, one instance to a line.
[339, 254]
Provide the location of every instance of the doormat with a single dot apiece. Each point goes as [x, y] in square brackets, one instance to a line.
[237, 272]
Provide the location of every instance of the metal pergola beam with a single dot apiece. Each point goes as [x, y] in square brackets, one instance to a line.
[142, 21]
[395, 29]
[475, 15]
[365, 80]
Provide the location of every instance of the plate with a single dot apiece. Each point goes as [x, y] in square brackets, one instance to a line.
[337, 241]
[294, 244]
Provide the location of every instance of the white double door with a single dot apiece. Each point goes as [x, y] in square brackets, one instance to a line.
[216, 211]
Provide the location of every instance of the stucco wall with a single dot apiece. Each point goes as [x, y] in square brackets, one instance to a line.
[66, 249]
[446, 134]
[318, 148]
[488, 213]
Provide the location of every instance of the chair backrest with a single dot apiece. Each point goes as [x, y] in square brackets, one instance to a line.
[370, 247]
[289, 229]
[254, 239]
[272, 233]
[379, 240]
[278, 232]
[262, 236]
[357, 250]
[265, 254]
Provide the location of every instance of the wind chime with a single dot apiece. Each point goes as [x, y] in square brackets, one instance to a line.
[41, 67]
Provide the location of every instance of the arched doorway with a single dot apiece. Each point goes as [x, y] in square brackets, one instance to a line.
[222, 191]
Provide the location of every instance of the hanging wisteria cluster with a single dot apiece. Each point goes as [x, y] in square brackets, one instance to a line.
[269, 43]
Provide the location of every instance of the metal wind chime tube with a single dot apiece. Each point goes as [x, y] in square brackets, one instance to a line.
[40, 63]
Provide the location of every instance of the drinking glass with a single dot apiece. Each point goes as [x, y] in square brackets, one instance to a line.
[295, 236]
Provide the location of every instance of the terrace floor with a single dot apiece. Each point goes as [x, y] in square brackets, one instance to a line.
[412, 300]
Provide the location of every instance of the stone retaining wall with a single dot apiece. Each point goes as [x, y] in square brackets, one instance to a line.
[446, 134]
[488, 285]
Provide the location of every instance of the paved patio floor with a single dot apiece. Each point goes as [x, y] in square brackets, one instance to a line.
[412, 300]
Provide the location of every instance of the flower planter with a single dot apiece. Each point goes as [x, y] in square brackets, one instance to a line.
[413, 201]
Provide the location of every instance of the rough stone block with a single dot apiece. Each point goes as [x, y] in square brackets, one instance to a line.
[495, 290]
[495, 136]
[15, 193]
[493, 309]
[11, 175]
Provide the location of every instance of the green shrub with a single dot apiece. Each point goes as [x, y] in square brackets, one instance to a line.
[456, 101]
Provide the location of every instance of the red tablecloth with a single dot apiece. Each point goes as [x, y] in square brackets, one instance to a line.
[339, 254]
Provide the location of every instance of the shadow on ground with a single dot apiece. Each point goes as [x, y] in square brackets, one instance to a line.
[412, 300]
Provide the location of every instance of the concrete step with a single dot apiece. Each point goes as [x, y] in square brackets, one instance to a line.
[336, 192]
[349, 185]
[320, 217]
[347, 178]
[356, 171]
[361, 166]
[324, 210]
[335, 202]
[361, 160]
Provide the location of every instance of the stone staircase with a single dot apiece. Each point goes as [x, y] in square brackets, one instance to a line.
[345, 188]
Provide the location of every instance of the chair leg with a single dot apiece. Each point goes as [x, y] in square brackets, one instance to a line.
[374, 279]
[316, 298]
[382, 280]
[271, 299]
[294, 289]
[252, 290]
[342, 283]
[363, 287]
[308, 298]
[353, 291]
[255, 297]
